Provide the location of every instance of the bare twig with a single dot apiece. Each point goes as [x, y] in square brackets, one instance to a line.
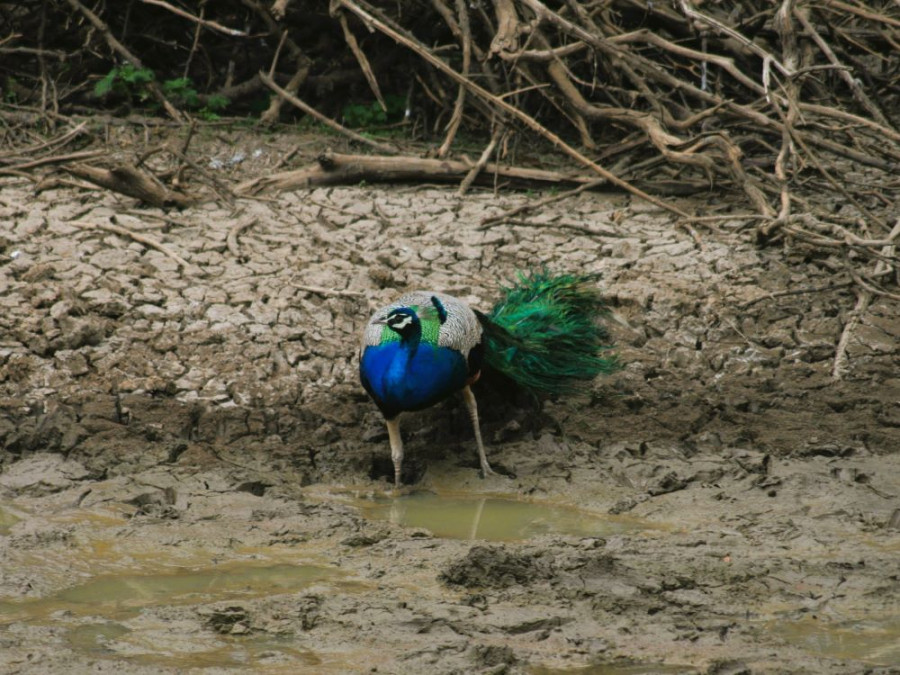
[327, 121]
[531, 206]
[123, 51]
[361, 59]
[864, 298]
[214, 25]
[522, 116]
[328, 292]
[724, 29]
[465, 37]
[232, 239]
[224, 191]
[136, 236]
[784, 26]
[15, 169]
[796, 291]
[855, 87]
[481, 163]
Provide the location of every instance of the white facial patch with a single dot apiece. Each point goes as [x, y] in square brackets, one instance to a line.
[398, 323]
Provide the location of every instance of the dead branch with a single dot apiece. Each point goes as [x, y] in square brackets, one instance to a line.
[302, 62]
[480, 164]
[864, 298]
[144, 239]
[132, 182]
[296, 102]
[854, 86]
[337, 169]
[465, 37]
[122, 51]
[232, 239]
[532, 206]
[725, 29]
[529, 121]
[784, 26]
[328, 292]
[364, 65]
[16, 169]
[218, 186]
[214, 25]
[507, 33]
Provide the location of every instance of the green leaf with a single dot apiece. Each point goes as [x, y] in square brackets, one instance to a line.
[217, 102]
[104, 86]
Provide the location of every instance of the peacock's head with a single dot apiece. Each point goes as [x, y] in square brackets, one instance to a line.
[404, 321]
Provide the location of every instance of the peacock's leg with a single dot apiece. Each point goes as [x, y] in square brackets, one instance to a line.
[393, 427]
[469, 398]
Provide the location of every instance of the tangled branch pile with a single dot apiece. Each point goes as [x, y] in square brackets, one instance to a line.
[778, 103]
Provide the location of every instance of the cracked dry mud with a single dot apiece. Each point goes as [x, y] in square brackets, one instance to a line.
[165, 430]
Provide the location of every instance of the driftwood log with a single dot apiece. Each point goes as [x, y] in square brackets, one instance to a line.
[339, 169]
[133, 182]
[333, 168]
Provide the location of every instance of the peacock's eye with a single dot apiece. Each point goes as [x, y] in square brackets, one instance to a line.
[399, 320]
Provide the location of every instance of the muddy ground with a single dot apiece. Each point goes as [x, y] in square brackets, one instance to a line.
[159, 423]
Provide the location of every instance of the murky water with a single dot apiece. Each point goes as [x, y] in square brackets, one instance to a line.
[492, 518]
[105, 616]
[874, 641]
[121, 596]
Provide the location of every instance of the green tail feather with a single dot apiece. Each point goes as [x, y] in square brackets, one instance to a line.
[545, 333]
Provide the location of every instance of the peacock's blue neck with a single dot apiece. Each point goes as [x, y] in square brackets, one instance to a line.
[411, 338]
[411, 374]
[403, 357]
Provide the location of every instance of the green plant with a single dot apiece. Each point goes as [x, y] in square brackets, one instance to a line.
[363, 115]
[9, 95]
[132, 84]
[127, 81]
[181, 92]
[217, 102]
[214, 105]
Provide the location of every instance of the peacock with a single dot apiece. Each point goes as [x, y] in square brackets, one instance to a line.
[545, 334]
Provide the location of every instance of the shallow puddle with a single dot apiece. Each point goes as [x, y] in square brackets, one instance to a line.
[121, 596]
[492, 518]
[106, 617]
[871, 641]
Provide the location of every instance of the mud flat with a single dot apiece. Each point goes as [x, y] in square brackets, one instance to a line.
[192, 478]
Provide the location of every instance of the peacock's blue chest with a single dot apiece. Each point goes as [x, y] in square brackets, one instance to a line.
[402, 377]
